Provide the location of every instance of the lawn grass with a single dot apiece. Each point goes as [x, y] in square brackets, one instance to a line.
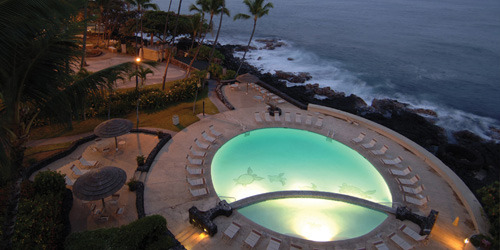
[156, 119]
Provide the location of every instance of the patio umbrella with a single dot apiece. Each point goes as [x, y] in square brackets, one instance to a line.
[248, 78]
[99, 184]
[113, 128]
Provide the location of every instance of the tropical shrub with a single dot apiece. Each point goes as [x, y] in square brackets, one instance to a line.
[204, 53]
[490, 199]
[146, 233]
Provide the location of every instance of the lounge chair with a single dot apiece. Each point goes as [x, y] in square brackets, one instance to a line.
[114, 199]
[274, 244]
[120, 210]
[398, 172]
[400, 242]
[419, 201]
[369, 144]
[196, 182]
[252, 239]
[295, 247]
[330, 134]
[213, 131]
[280, 101]
[309, 120]
[207, 137]
[77, 171]
[194, 161]
[69, 181]
[380, 245]
[194, 171]
[360, 138]
[412, 234]
[277, 117]
[198, 192]
[267, 117]
[380, 151]
[410, 181]
[258, 98]
[234, 86]
[231, 231]
[288, 119]
[196, 152]
[411, 190]
[103, 218]
[89, 164]
[394, 161]
[258, 119]
[298, 118]
[201, 144]
[319, 122]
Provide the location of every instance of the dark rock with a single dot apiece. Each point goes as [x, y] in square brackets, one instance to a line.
[301, 77]
[465, 136]
[425, 112]
[290, 59]
[383, 105]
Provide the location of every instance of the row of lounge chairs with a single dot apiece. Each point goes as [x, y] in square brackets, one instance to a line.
[399, 173]
[399, 240]
[195, 161]
[288, 119]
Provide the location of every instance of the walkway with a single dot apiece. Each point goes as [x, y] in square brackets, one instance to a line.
[310, 194]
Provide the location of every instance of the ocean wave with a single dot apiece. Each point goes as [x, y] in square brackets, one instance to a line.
[331, 73]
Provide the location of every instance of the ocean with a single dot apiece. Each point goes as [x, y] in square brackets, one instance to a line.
[442, 55]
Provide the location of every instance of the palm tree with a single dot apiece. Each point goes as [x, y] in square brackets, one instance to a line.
[110, 85]
[141, 6]
[222, 10]
[171, 45]
[142, 73]
[36, 80]
[201, 10]
[257, 10]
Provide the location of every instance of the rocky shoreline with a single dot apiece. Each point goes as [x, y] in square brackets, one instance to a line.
[475, 160]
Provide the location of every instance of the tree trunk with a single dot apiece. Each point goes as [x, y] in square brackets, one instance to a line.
[200, 42]
[213, 47]
[84, 35]
[171, 47]
[248, 46]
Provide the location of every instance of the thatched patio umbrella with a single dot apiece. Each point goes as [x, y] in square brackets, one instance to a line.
[113, 128]
[99, 184]
[248, 78]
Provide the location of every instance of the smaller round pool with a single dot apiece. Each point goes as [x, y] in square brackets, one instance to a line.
[275, 159]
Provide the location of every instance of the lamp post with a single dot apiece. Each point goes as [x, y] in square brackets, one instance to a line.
[466, 241]
[137, 61]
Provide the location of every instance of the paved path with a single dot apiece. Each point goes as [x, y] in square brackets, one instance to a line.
[310, 194]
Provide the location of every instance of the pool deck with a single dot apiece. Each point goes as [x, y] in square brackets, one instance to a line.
[167, 191]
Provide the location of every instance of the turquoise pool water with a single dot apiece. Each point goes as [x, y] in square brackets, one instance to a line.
[275, 159]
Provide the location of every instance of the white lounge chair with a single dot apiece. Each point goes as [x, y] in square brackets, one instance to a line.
[380, 151]
[120, 211]
[213, 131]
[277, 117]
[252, 239]
[114, 199]
[380, 245]
[198, 192]
[399, 172]
[274, 244]
[194, 171]
[288, 119]
[330, 134]
[280, 101]
[298, 118]
[419, 201]
[201, 144]
[77, 171]
[196, 152]
[231, 231]
[394, 161]
[400, 242]
[234, 86]
[369, 144]
[360, 138]
[410, 181]
[207, 137]
[196, 182]
[267, 117]
[258, 119]
[194, 161]
[319, 122]
[69, 181]
[89, 164]
[309, 120]
[295, 247]
[411, 190]
[412, 234]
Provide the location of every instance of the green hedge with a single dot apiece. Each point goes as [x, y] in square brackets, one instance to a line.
[40, 222]
[204, 53]
[146, 233]
[490, 199]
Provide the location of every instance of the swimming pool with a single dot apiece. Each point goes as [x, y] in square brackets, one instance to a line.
[274, 159]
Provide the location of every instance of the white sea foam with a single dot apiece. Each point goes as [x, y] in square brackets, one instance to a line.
[330, 73]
